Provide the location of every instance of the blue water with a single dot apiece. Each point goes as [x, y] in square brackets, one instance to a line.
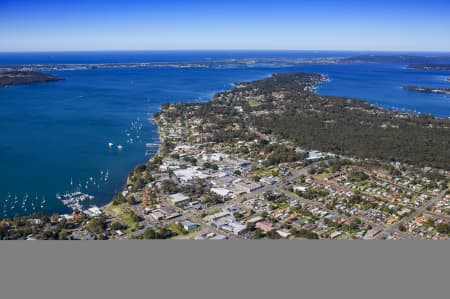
[55, 136]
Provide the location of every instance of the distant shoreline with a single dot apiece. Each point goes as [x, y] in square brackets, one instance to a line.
[412, 62]
[436, 90]
[181, 64]
[430, 67]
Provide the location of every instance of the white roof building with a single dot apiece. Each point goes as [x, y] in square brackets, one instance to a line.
[93, 212]
[234, 227]
[188, 225]
[300, 188]
[179, 198]
[312, 155]
[222, 192]
[189, 174]
[215, 157]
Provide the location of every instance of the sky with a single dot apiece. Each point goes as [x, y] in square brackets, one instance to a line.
[56, 25]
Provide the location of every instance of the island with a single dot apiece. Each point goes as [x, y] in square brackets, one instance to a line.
[272, 159]
[10, 78]
[427, 89]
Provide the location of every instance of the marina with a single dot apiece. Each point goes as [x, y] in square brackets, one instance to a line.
[74, 200]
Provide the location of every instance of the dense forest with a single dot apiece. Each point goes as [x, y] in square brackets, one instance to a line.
[353, 127]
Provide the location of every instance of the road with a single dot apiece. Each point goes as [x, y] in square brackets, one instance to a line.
[416, 213]
[385, 230]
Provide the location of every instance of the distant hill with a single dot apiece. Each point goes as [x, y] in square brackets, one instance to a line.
[21, 77]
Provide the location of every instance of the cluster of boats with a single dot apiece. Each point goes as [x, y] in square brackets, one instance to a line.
[133, 134]
[12, 204]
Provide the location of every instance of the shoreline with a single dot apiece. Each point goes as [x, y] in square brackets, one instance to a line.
[157, 153]
[210, 163]
[430, 90]
[410, 62]
[312, 89]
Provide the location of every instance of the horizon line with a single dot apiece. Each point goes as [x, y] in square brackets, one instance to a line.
[217, 50]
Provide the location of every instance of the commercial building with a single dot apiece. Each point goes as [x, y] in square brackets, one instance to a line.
[179, 199]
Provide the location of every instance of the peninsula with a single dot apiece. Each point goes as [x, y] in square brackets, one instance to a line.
[15, 77]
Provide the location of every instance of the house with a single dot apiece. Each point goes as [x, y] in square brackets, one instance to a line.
[234, 227]
[299, 150]
[82, 235]
[179, 199]
[169, 212]
[219, 237]
[197, 206]
[283, 233]
[36, 221]
[254, 219]
[372, 233]
[224, 181]
[300, 189]
[313, 155]
[188, 225]
[232, 209]
[210, 236]
[217, 216]
[247, 186]
[215, 157]
[221, 192]
[335, 234]
[188, 174]
[264, 226]
[93, 212]
[157, 216]
[268, 180]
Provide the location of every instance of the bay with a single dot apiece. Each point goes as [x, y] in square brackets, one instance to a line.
[55, 136]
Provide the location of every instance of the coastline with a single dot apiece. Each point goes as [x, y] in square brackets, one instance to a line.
[201, 143]
[156, 154]
[161, 134]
